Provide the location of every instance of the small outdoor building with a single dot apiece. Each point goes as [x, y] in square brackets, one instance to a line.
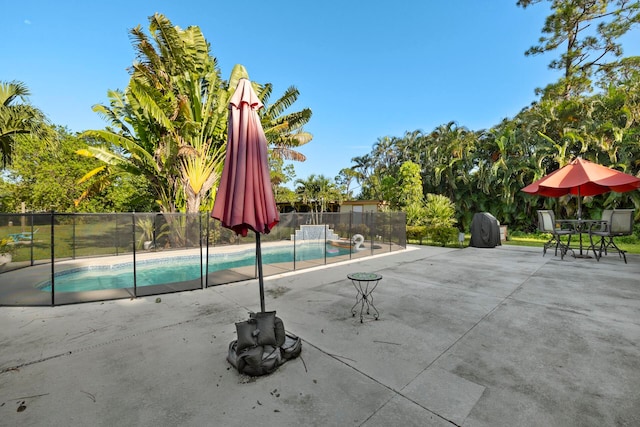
[361, 206]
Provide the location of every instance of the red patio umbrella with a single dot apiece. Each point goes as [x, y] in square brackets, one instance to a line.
[583, 178]
[244, 200]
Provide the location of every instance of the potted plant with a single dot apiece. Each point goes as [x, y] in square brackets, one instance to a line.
[7, 249]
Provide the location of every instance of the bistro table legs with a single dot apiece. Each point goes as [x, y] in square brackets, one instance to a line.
[580, 254]
[365, 284]
[581, 226]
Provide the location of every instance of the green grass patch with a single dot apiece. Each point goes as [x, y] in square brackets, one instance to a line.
[631, 244]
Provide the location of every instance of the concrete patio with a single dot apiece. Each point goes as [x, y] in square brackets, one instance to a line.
[467, 337]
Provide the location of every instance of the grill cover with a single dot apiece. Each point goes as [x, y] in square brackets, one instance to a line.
[485, 231]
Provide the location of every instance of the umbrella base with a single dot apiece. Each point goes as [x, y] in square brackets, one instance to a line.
[263, 360]
[582, 256]
[262, 345]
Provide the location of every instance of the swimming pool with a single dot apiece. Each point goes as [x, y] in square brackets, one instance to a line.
[178, 269]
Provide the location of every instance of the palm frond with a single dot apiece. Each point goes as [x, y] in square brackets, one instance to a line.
[168, 39]
[91, 174]
[149, 104]
[265, 93]
[10, 91]
[289, 97]
[135, 151]
[288, 154]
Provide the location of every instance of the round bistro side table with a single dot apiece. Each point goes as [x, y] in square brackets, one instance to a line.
[365, 284]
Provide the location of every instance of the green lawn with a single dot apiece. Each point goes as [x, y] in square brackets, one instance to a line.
[109, 238]
[85, 239]
[631, 244]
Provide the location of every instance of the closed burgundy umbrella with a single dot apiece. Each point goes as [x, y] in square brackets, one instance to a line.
[244, 200]
[583, 178]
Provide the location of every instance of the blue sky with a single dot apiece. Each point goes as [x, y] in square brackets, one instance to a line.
[366, 69]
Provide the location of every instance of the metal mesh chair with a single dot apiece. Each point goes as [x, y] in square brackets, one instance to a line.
[599, 227]
[547, 224]
[619, 223]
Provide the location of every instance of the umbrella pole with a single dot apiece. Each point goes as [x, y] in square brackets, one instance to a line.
[580, 219]
[260, 277]
[579, 205]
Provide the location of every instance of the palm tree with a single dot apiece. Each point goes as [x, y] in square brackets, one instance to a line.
[171, 122]
[504, 167]
[385, 156]
[452, 155]
[366, 175]
[344, 179]
[18, 118]
[317, 191]
[167, 125]
[284, 132]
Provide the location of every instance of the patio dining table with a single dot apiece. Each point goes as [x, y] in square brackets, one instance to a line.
[582, 226]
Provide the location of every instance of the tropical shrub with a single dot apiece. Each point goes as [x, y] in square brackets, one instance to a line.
[7, 246]
[345, 229]
[416, 232]
[440, 218]
[442, 235]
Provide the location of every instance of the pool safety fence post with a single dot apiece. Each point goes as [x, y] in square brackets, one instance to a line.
[393, 224]
[383, 229]
[350, 233]
[53, 267]
[373, 237]
[379, 228]
[31, 248]
[325, 244]
[155, 227]
[200, 244]
[372, 231]
[133, 231]
[206, 266]
[295, 227]
[73, 235]
[115, 234]
[388, 227]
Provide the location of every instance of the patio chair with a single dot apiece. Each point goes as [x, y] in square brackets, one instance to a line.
[620, 224]
[599, 226]
[547, 224]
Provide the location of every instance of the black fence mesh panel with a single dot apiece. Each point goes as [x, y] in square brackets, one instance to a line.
[60, 258]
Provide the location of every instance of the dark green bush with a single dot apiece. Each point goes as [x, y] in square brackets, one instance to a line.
[443, 235]
[416, 232]
[344, 230]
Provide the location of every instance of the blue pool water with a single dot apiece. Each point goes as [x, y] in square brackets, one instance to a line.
[177, 269]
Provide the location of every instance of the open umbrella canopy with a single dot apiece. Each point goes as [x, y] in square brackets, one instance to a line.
[244, 200]
[583, 178]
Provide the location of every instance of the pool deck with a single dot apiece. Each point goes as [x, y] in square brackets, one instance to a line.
[466, 337]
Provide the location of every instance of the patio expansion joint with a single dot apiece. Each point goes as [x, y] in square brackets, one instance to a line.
[468, 331]
[344, 360]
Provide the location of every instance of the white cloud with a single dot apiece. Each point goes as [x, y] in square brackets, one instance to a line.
[26, 21]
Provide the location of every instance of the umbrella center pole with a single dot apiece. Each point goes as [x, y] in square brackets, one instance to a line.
[260, 276]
